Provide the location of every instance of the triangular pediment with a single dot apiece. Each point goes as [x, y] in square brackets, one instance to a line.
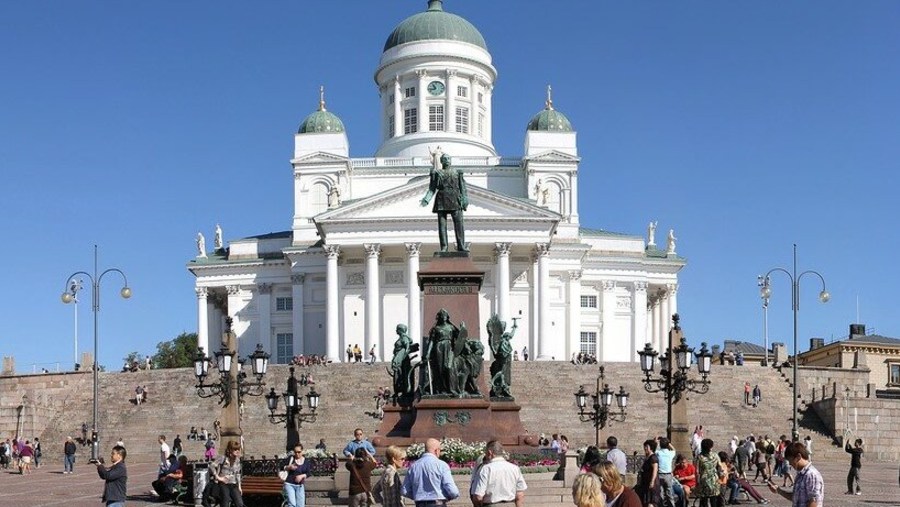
[320, 157]
[554, 156]
[403, 203]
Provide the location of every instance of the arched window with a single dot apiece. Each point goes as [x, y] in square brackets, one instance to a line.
[318, 199]
[554, 197]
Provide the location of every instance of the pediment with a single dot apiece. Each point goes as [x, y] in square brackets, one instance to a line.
[554, 156]
[320, 157]
[402, 203]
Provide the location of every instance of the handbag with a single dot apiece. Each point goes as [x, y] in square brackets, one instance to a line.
[283, 475]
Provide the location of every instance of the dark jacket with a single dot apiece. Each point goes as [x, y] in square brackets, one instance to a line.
[69, 448]
[855, 455]
[116, 478]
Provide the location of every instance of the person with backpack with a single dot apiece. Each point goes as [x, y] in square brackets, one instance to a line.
[210, 445]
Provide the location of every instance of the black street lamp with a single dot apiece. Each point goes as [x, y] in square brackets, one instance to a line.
[673, 379]
[602, 405]
[765, 292]
[293, 416]
[69, 296]
[224, 387]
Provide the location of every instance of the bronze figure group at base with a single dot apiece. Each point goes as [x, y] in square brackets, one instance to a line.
[451, 362]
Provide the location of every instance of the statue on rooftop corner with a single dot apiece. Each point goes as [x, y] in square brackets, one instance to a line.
[499, 340]
[334, 196]
[448, 188]
[670, 247]
[201, 245]
[651, 234]
[218, 239]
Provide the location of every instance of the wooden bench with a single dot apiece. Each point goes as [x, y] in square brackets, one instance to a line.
[263, 486]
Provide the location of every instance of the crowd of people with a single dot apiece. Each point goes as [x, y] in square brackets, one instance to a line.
[582, 358]
[20, 454]
[311, 360]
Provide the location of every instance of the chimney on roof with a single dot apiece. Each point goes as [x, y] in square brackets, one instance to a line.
[857, 330]
[816, 343]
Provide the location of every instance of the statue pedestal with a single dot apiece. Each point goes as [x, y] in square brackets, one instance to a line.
[451, 281]
[468, 419]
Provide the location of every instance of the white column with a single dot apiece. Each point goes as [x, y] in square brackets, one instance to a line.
[639, 318]
[535, 309]
[202, 320]
[373, 290]
[502, 250]
[672, 299]
[413, 297]
[450, 97]
[573, 343]
[423, 110]
[544, 339]
[297, 296]
[608, 317]
[398, 110]
[654, 327]
[238, 325]
[661, 332]
[473, 108]
[332, 310]
[573, 197]
[488, 116]
[264, 309]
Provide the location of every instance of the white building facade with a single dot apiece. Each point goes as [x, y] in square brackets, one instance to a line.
[345, 274]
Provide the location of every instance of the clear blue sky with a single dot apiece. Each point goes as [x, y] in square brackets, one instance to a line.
[745, 126]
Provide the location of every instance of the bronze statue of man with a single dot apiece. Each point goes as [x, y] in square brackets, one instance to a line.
[448, 188]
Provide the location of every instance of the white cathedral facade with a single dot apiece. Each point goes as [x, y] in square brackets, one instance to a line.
[345, 274]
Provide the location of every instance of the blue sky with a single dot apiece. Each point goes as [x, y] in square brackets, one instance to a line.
[745, 126]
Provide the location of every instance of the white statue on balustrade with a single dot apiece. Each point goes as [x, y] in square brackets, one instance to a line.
[201, 245]
[651, 234]
[670, 247]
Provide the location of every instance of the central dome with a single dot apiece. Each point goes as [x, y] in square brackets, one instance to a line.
[434, 24]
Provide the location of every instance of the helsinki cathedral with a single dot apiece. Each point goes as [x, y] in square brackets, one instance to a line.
[344, 274]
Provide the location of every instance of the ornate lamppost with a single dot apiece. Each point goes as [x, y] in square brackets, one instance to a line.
[673, 379]
[293, 416]
[68, 296]
[228, 386]
[766, 291]
[602, 405]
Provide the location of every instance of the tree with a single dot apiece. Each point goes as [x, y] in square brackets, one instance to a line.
[177, 353]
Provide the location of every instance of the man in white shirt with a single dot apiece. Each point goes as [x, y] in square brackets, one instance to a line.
[163, 451]
[615, 455]
[497, 481]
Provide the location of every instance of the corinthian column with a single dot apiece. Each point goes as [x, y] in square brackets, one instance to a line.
[412, 293]
[608, 317]
[297, 280]
[639, 319]
[373, 289]
[332, 310]
[544, 340]
[502, 250]
[202, 320]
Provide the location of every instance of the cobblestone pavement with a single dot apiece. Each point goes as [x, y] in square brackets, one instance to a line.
[48, 486]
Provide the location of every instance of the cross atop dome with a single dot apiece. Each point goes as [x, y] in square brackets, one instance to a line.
[549, 104]
[322, 98]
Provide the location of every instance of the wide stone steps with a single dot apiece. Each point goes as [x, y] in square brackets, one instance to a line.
[544, 389]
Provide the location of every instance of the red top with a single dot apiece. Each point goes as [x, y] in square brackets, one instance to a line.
[686, 470]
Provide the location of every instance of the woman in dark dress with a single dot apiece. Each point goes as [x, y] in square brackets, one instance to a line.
[647, 486]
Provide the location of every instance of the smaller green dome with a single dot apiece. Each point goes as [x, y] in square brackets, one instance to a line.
[321, 121]
[549, 119]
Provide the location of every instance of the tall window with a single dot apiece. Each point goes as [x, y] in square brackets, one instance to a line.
[284, 304]
[284, 345]
[894, 374]
[462, 91]
[589, 301]
[391, 98]
[410, 121]
[391, 125]
[480, 124]
[435, 118]
[462, 120]
[588, 342]
[409, 92]
[318, 199]
[480, 97]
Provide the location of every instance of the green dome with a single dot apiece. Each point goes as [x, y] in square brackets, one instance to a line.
[321, 122]
[550, 120]
[434, 24]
